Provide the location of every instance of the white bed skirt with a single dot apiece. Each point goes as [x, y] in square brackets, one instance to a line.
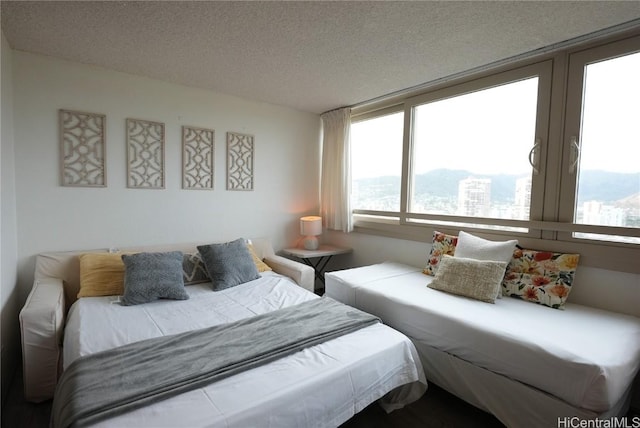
[501, 396]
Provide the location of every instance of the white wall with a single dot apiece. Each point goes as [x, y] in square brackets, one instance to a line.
[52, 217]
[8, 236]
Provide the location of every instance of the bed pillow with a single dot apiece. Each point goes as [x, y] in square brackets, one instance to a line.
[473, 247]
[101, 274]
[228, 264]
[153, 276]
[260, 265]
[442, 244]
[477, 279]
[540, 276]
[193, 269]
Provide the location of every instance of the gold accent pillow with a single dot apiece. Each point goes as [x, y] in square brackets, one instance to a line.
[262, 266]
[477, 279]
[101, 274]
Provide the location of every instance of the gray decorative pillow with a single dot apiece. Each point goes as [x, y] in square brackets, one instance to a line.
[228, 264]
[153, 276]
[193, 269]
[477, 279]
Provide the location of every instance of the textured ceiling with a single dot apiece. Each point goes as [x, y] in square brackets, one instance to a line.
[311, 56]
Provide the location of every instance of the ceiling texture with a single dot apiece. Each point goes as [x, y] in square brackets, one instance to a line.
[312, 56]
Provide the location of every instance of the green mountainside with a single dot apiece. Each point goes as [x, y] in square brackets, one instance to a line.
[595, 185]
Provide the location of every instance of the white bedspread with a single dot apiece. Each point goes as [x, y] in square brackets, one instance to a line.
[584, 356]
[322, 386]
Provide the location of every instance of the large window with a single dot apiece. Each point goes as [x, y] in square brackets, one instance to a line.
[470, 152]
[376, 167]
[604, 142]
[546, 150]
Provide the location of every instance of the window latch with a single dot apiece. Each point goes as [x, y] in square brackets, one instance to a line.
[534, 156]
[574, 154]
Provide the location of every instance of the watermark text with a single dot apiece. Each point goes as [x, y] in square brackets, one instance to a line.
[615, 422]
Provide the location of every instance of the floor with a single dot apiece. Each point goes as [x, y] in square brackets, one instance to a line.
[436, 409]
[16, 412]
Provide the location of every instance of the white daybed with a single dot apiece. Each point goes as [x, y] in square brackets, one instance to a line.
[525, 363]
[323, 385]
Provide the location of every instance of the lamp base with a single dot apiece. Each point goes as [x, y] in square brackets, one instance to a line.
[310, 243]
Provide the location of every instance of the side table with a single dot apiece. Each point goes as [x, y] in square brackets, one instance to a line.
[317, 259]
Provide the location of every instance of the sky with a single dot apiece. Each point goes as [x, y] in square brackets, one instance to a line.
[500, 130]
[611, 115]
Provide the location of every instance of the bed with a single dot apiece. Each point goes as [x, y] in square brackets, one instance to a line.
[322, 385]
[527, 364]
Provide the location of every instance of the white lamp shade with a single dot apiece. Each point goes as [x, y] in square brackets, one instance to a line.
[311, 226]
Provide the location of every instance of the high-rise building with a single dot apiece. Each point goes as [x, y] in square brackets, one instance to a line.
[522, 200]
[474, 197]
[595, 212]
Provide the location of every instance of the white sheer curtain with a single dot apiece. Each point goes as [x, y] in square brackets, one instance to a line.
[335, 181]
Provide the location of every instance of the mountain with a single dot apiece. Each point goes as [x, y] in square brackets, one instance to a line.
[594, 185]
[607, 186]
[630, 202]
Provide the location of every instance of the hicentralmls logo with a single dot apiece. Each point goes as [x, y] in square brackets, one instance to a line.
[576, 422]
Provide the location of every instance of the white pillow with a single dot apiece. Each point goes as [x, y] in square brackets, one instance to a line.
[474, 247]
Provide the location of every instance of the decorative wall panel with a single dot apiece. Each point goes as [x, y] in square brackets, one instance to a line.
[82, 149]
[239, 161]
[145, 154]
[197, 158]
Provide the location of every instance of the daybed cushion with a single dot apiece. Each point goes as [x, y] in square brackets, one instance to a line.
[570, 354]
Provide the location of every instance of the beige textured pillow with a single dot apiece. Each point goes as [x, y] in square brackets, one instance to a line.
[477, 279]
[101, 274]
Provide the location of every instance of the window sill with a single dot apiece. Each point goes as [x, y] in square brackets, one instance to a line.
[599, 254]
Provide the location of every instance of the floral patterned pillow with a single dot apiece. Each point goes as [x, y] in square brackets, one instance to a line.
[442, 244]
[540, 276]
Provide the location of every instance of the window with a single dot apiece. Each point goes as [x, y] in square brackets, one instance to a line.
[603, 133]
[546, 149]
[376, 166]
[470, 150]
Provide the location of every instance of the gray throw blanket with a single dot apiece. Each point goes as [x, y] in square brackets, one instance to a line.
[118, 380]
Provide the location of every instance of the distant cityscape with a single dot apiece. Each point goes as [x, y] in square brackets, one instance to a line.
[605, 198]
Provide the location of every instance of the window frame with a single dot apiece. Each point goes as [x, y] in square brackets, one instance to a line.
[577, 60]
[552, 228]
[543, 71]
[355, 118]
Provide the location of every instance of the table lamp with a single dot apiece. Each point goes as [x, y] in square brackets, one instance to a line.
[310, 227]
